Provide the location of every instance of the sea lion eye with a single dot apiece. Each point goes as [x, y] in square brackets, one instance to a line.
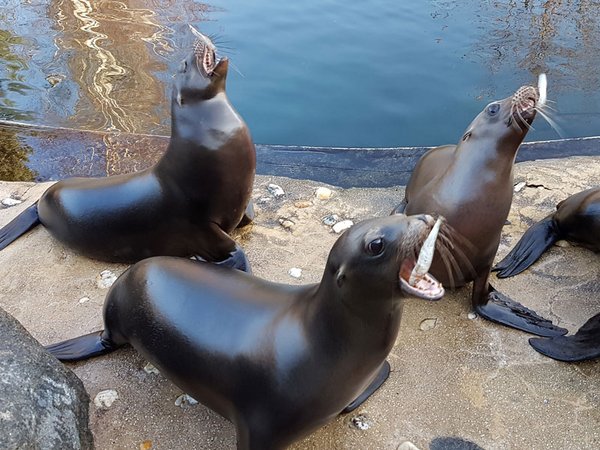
[375, 247]
[493, 109]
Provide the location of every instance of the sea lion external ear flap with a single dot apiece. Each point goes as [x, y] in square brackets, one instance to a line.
[340, 276]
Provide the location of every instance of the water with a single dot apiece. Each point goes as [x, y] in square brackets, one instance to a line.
[325, 73]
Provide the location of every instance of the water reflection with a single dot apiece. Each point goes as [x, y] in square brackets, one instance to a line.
[11, 78]
[13, 157]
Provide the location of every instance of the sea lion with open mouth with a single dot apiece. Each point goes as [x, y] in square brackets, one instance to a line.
[278, 361]
[576, 219]
[186, 204]
[471, 184]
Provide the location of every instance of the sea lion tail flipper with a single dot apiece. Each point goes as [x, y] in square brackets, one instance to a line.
[583, 345]
[502, 309]
[19, 226]
[530, 247]
[82, 347]
[382, 375]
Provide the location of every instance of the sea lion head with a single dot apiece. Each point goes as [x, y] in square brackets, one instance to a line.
[374, 259]
[201, 75]
[506, 122]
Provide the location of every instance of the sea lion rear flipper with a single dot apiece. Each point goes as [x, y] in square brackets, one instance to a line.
[19, 226]
[583, 345]
[382, 375]
[82, 347]
[530, 247]
[248, 216]
[502, 309]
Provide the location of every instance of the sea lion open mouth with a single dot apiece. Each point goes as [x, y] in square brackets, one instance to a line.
[206, 53]
[523, 106]
[414, 279]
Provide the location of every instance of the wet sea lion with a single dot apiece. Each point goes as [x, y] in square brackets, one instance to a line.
[576, 219]
[471, 184]
[278, 361]
[184, 205]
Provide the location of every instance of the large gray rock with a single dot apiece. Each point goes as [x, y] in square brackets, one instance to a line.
[43, 405]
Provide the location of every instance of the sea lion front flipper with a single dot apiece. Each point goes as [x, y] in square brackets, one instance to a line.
[82, 347]
[248, 216]
[583, 345]
[382, 375]
[19, 226]
[530, 247]
[228, 252]
[502, 309]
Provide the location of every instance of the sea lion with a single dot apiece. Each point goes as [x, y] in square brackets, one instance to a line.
[471, 184]
[186, 204]
[576, 219]
[278, 361]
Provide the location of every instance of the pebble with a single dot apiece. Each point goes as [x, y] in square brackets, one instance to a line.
[8, 202]
[150, 369]
[295, 272]
[330, 220]
[286, 223]
[275, 190]
[472, 316]
[361, 422]
[84, 300]
[104, 399]
[562, 243]
[106, 279]
[428, 324]
[185, 400]
[519, 186]
[263, 200]
[302, 204]
[146, 445]
[343, 225]
[407, 445]
[323, 193]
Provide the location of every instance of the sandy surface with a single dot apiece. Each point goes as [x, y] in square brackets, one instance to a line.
[460, 377]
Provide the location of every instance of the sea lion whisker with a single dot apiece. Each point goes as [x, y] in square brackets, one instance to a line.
[552, 123]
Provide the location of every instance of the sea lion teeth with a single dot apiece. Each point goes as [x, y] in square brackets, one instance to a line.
[425, 255]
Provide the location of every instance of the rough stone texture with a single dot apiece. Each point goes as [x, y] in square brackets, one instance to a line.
[43, 405]
[465, 378]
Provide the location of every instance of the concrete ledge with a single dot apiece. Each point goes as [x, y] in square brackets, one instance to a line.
[451, 376]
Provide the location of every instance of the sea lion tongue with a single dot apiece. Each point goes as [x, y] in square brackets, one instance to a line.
[419, 282]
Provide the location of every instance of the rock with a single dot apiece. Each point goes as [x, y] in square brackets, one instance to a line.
[302, 204]
[106, 279]
[8, 202]
[44, 405]
[275, 190]
[472, 316]
[185, 400]
[428, 324]
[84, 300]
[295, 272]
[286, 223]
[519, 186]
[330, 220]
[146, 445]
[150, 369]
[323, 193]
[407, 445]
[105, 399]
[361, 422]
[342, 226]
[562, 243]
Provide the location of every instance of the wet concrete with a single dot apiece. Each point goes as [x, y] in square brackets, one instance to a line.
[460, 377]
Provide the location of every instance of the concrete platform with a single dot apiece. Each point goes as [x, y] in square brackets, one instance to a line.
[451, 376]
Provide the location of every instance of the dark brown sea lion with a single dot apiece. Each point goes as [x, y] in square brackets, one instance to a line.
[471, 184]
[576, 219]
[184, 205]
[278, 361]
